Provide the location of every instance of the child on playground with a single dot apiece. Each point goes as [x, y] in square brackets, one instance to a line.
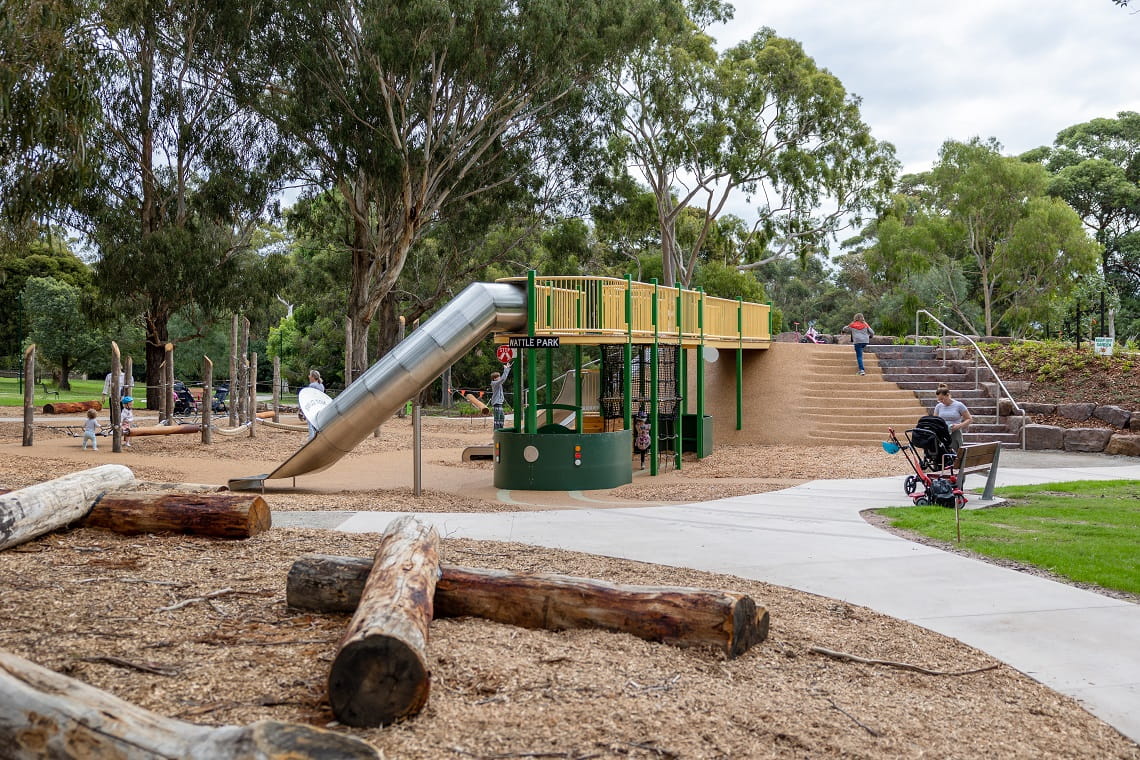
[126, 417]
[498, 397]
[90, 428]
[641, 436]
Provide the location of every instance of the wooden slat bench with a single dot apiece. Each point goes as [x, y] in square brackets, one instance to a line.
[981, 457]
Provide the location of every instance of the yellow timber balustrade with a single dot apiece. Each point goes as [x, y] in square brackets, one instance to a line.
[593, 310]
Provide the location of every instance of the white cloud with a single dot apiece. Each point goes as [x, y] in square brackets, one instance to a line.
[1017, 70]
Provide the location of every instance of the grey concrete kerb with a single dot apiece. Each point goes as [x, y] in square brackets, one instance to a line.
[813, 538]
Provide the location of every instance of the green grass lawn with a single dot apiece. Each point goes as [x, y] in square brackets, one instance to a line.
[1087, 531]
[11, 394]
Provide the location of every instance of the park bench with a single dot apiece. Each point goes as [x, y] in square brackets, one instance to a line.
[981, 457]
[48, 391]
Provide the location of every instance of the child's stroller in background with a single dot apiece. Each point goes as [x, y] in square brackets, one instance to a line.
[218, 403]
[184, 403]
[933, 469]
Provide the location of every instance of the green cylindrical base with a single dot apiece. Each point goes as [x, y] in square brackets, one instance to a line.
[545, 461]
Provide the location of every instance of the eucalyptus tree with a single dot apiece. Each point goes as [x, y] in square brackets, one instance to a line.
[984, 225]
[165, 177]
[412, 110]
[760, 119]
[1095, 167]
[57, 326]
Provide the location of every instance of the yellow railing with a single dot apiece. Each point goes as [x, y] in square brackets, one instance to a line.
[596, 307]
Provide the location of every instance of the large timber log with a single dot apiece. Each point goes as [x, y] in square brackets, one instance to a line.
[29, 512]
[165, 430]
[45, 714]
[71, 407]
[380, 672]
[483, 409]
[219, 515]
[674, 615]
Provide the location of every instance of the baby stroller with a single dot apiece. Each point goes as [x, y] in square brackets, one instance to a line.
[932, 435]
[184, 403]
[218, 402]
[940, 486]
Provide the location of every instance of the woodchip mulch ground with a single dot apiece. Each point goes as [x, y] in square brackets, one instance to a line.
[102, 608]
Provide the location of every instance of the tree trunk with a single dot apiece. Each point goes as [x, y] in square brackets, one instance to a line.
[29, 395]
[30, 512]
[678, 616]
[71, 407]
[219, 515]
[45, 714]
[380, 672]
[155, 355]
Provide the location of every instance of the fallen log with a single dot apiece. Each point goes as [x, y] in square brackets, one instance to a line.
[673, 615]
[155, 485]
[165, 430]
[380, 672]
[218, 515]
[30, 512]
[71, 407]
[45, 714]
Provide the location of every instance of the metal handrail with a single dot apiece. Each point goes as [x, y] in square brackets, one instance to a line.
[978, 354]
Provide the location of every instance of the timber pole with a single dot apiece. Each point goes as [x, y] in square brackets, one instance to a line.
[233, 388]
[116, 399]
[29, 394]
[207, 400]
[252, 393]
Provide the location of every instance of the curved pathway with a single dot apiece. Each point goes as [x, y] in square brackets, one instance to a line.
[813, 538]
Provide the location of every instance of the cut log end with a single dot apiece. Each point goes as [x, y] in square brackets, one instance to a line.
[377, 681]
[749, 627]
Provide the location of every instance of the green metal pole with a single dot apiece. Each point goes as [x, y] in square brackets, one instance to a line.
[678, 370]
[701, 373]
[531, 375]
[740, 363]
[627, 382]
[654, 444]
[578, 368]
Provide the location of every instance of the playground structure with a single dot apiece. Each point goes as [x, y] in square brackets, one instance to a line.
[646, 333]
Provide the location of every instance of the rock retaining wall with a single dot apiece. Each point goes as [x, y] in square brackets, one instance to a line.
[1121, 438]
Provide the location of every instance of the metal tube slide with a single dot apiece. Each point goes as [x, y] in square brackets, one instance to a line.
[408, 368]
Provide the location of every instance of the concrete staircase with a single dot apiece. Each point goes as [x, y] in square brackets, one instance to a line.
[919, 369]
[839, 406]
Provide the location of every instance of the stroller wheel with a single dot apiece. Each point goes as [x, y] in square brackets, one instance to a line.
[910, 485]
[922, 501]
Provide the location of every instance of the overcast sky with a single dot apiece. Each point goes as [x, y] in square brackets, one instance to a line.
[927, 71]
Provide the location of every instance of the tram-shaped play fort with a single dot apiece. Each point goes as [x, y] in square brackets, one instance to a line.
[637, 351]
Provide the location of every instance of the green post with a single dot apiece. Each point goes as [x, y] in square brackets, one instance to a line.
[627, 382]
[654, 418]
[531, 378]
[679, 370]
[740, 362]
[701, 373]
[578, 367]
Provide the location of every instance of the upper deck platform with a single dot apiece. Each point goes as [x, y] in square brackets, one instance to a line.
[598, 310]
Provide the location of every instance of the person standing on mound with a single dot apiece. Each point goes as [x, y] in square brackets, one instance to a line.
[861, 334]
[954, 412]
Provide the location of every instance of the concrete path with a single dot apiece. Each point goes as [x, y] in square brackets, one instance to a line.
[812, 538]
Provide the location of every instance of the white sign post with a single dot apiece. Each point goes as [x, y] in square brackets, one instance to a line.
[1103, 346]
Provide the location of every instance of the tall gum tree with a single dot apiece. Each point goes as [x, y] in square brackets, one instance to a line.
[163, 175]
[760, 119]
[411, 110]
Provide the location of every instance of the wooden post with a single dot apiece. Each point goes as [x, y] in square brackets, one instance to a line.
[233, 390]
[116, 399]
[45, 714]
[252, 394]
[380, 672]
[680, 616]
[276, 388]
[245, 414]
[168, 397]
[219, 515]
[29, 394]
[30, 512]
[207, 400]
